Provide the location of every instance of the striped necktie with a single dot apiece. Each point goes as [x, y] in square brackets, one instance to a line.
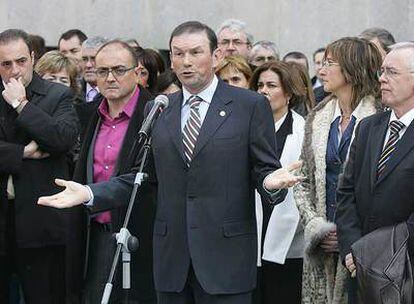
[191, 128]
[395, 128]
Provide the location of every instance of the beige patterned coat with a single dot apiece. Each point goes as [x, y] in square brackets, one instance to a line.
[324, 277]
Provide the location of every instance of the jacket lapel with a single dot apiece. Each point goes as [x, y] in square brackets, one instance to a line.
[404, 145]
[90, 153]
[217, 113]
[125, 158]
[172, 117]
[35, 90]
[376, 144]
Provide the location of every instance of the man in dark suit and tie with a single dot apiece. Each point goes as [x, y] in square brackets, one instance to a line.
[211, 147]
[376, 188]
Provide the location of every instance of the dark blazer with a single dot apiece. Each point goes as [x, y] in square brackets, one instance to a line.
[50, 120]
[85, 110]
[206, 213]
[142, 219]
[365, 203]
[384, 271]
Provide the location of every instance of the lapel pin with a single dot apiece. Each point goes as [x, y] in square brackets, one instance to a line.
[222, 113]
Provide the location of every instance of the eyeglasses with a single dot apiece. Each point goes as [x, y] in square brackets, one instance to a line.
[116, 71]
[236, 42]
[328, 63]
[391, 73]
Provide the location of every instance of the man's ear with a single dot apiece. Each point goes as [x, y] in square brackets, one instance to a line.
[32, 57]
[171, 60]
[217, 57]
[137, 71]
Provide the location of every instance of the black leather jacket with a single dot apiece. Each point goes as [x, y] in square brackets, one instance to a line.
[384, 269]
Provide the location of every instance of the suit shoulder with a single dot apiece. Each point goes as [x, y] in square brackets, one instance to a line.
[56, 88]
[368, 121]
[145, 95]
[240, 94]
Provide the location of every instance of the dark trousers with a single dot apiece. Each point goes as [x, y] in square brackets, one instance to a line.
[193, 293]
[101, 250]
[42, 274]
[280, 283]
[5, 273]
[7, 255]
[352, 288]
[100, 257]
[40, 271]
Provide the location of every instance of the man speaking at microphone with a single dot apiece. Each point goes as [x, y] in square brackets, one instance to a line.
[210, 147]
[108, 141]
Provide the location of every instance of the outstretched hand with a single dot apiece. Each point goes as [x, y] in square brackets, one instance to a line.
[73, 195]
[284, 177]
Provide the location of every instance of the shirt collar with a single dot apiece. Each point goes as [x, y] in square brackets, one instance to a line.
[206, 94]
[128, 109]
[339, 114]
[89, 87]
[406, 119]
[279, 123]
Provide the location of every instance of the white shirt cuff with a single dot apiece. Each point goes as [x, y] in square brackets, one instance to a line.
[90, 202]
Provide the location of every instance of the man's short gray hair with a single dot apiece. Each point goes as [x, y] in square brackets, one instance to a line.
[405, 46]
[236, 25]
[402, 45]
[266, 44]
[94, 42]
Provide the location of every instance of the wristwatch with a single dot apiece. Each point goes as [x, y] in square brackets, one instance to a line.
[15, 103]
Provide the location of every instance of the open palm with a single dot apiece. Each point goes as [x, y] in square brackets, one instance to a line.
[73, 195]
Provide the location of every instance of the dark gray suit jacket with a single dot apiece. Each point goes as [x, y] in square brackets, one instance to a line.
[366, 203]
[206, 213]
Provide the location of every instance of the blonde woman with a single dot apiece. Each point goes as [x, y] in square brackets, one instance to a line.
[235, 71]
[56, 67]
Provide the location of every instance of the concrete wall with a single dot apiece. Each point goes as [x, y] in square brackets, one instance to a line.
[293, 24]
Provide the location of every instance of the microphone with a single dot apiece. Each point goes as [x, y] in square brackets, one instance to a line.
[160, 102]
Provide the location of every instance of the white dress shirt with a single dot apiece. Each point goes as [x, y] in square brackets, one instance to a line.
[406, 119]
[206, 95]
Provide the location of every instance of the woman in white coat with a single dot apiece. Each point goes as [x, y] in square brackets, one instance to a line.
[280, 234]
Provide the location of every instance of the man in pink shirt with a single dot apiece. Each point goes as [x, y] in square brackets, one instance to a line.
[107, 143]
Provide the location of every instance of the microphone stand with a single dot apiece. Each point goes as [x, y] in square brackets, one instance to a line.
[126, 243]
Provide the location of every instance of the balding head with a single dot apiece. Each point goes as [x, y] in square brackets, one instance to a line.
[397, 78]
[116, 71]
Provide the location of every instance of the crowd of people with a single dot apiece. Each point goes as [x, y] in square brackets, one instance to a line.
[265, 185]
